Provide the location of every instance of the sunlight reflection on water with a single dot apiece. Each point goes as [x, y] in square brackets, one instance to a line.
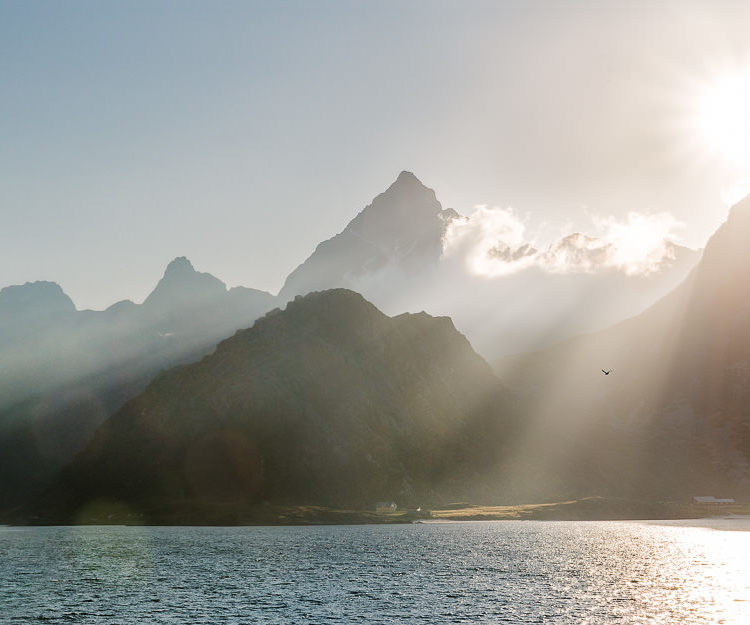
[493, 572]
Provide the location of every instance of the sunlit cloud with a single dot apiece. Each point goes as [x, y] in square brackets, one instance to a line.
[493, 242]
[641, 243]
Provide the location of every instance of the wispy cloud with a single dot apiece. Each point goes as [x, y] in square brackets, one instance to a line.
[638, 245]
[493, 242]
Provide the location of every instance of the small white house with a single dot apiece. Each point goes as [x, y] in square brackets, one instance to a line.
[712, 501]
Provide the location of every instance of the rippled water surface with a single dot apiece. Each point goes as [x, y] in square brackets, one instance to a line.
[495, 572]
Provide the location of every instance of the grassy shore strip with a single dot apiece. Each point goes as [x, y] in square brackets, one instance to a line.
[587, 509]
[108, 512]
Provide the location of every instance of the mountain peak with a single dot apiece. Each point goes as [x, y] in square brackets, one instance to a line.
[179, 266]
[343, 406]
[577, 239]
[407, 182]
[407, 177]
[402, 228]
[35, 298]
[183, 286]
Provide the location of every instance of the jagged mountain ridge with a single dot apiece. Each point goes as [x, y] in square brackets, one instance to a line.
[65, 371]
[187, 312]
[401, 229]
[393, 252]
[327, 402]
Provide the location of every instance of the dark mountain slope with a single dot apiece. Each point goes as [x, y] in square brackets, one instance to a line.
[327, 402]
[674, 417]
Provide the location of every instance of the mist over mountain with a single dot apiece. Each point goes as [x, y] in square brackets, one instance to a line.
[65, 371]
[405, 252]
[327, 402]
[673, 417]
[400, 233]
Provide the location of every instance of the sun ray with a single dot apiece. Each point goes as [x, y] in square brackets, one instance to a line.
[722, 118]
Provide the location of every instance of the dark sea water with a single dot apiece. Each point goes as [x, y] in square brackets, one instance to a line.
[494, 572]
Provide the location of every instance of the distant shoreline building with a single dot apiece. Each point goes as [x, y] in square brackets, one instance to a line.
[383, 507]
[713, 501]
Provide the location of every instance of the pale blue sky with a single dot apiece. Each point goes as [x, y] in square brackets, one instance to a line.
[240, 134]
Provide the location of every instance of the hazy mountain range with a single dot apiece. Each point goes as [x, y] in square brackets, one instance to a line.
[360, 395]
[332, 402]
[65, 371]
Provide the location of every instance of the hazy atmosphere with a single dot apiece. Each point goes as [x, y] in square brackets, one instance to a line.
[241, 134]
[412, 311]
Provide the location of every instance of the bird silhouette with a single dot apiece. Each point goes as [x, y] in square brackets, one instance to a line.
[607, 372]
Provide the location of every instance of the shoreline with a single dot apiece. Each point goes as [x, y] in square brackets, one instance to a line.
[726, 523]
[224, 514]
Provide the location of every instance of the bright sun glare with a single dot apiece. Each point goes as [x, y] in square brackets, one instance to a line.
[723, 119]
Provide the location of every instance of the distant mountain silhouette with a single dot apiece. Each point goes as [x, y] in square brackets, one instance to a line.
[675, 418]
[392, 253]
[327, 402]
[65, 371]
[182, 287]
[402, 230]
[31, 304]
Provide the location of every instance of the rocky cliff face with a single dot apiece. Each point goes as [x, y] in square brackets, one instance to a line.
[327, 402]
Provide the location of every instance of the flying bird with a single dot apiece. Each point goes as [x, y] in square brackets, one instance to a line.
[607, 372]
